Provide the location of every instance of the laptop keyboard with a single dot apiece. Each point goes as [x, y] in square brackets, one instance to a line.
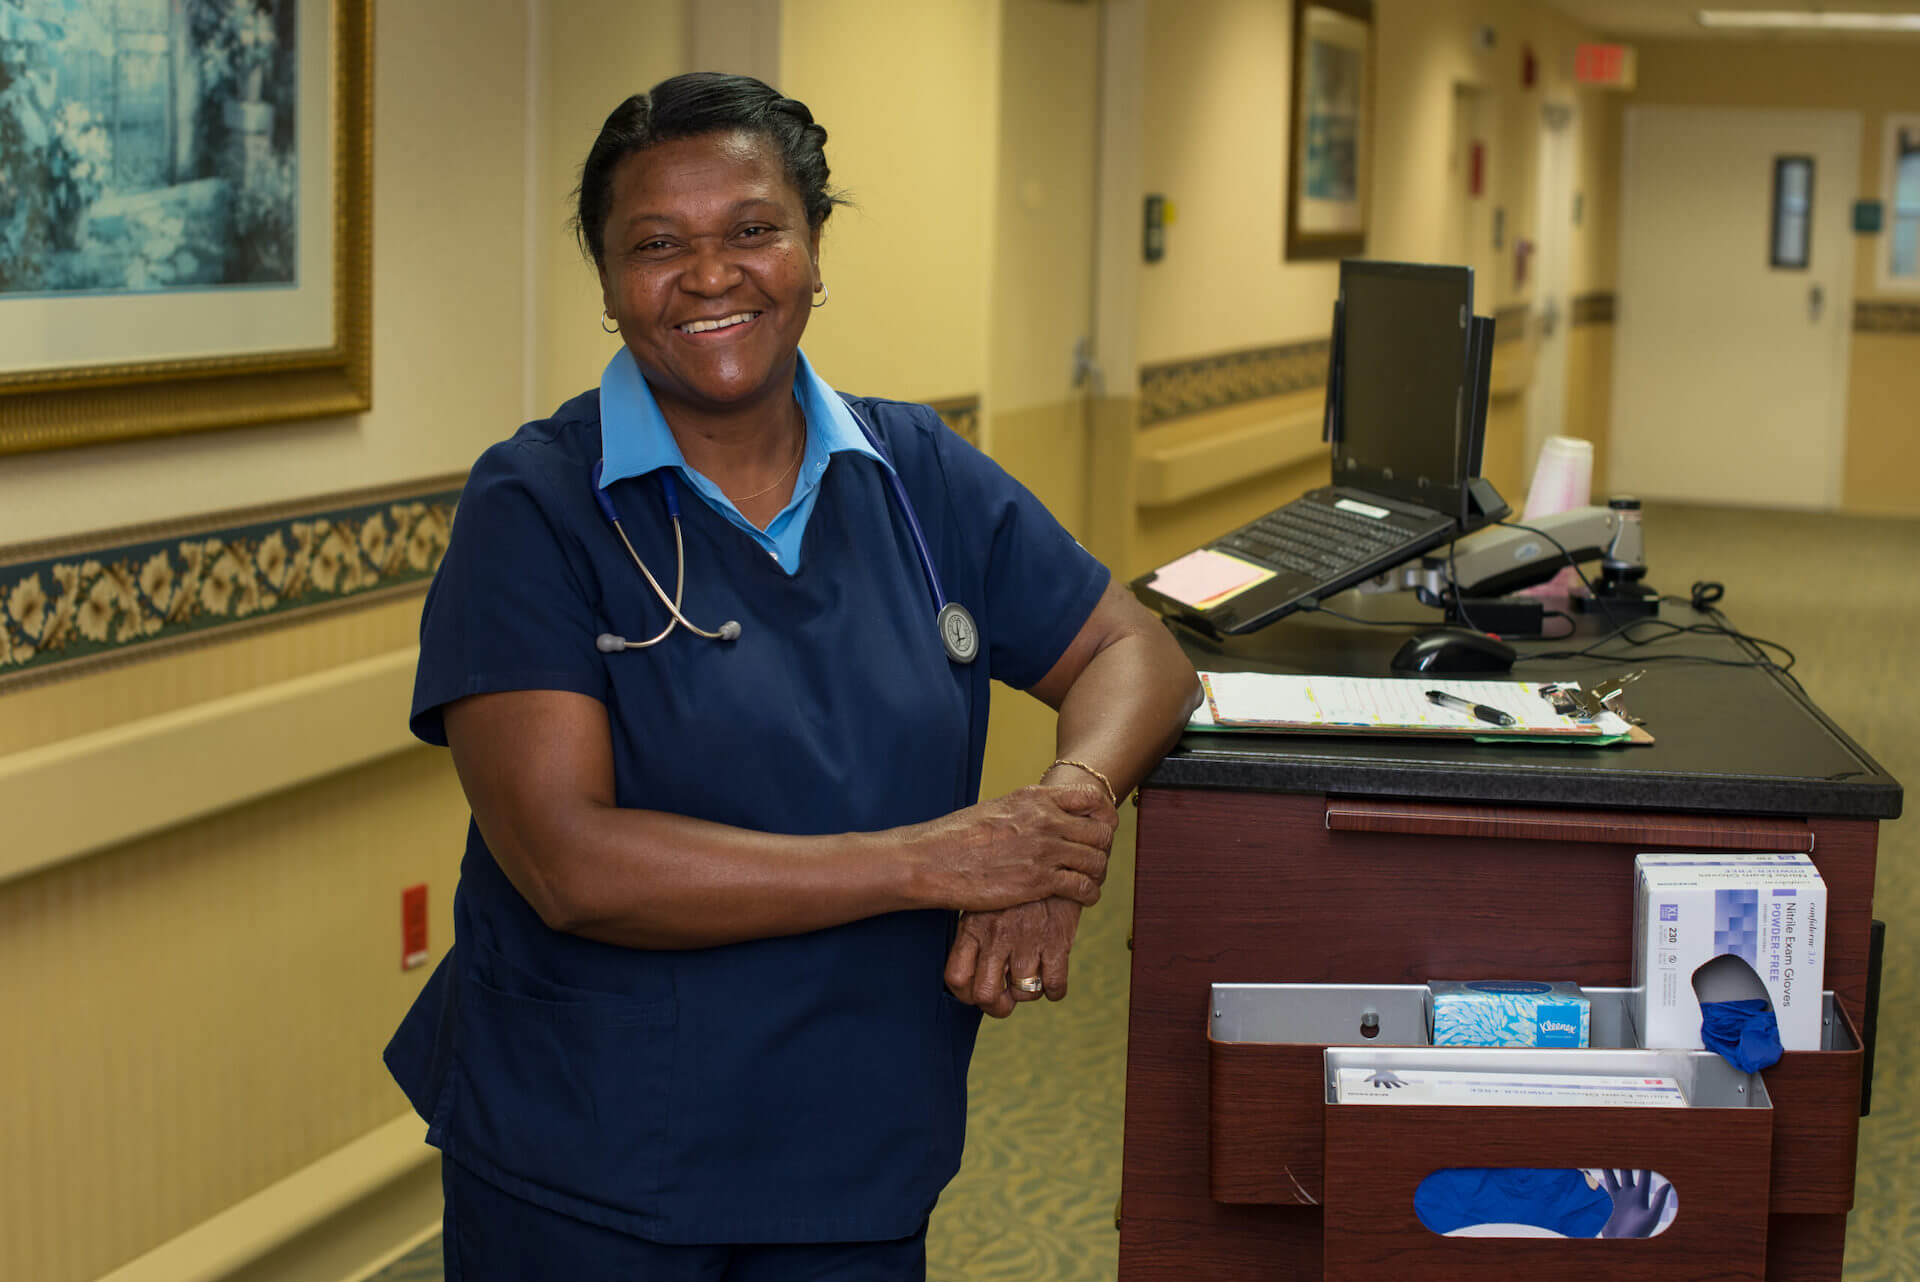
[1318, 539]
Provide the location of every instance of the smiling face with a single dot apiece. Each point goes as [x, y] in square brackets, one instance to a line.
[709, 267]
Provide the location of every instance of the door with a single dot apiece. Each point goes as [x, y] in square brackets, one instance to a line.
[1553, 227]
[1730, 371]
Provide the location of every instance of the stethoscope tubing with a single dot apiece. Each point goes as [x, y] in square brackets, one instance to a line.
[947, 614]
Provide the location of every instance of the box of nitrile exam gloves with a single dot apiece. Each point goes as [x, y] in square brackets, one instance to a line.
[1509, 1012]
[1766, 911]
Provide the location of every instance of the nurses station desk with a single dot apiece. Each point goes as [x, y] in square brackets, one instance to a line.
[1297, 860]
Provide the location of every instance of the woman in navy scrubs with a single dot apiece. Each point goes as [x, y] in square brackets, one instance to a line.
[709, 1009]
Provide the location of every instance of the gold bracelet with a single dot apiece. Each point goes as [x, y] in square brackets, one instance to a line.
[1104, 781]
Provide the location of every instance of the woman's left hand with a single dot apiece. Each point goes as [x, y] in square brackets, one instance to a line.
[1029, 940]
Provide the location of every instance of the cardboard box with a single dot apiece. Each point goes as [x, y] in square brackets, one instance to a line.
[1768, 911]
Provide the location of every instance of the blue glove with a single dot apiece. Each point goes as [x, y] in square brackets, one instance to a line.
[1744, 1033]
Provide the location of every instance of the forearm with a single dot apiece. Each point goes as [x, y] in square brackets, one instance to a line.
[1126, 709]
[648, 879]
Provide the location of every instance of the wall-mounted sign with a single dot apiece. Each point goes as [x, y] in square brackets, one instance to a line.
[1604, 66]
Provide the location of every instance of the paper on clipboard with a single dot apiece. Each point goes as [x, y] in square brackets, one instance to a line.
[1261, 700]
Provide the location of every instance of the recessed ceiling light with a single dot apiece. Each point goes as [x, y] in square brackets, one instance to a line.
[1807, 20]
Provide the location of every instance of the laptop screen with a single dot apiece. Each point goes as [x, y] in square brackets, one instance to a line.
[1405, 390]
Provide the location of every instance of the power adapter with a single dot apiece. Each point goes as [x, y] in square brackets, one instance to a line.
[1506, 616]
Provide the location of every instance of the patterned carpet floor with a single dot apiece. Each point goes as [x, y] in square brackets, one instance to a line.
[1034, 1200]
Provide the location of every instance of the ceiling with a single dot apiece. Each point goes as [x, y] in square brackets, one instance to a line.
[1670, 19]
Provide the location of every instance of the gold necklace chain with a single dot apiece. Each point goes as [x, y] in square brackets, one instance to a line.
[784, 473]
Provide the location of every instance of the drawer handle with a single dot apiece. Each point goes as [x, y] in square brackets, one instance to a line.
[1646, 832]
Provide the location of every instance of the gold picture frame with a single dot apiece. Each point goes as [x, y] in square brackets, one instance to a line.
[1330, 137]
[100, 402]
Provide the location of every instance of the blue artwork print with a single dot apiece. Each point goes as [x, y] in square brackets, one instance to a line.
[1332, 164]
[147, 145]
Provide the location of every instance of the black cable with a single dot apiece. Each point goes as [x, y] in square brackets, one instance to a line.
[1311, 606]
[1580, 574]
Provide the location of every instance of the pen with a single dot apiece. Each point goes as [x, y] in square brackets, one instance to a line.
[1480, 710]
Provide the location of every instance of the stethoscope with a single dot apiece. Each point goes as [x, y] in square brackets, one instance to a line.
[958, 633]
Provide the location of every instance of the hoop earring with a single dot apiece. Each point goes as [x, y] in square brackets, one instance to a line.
[825, 293]
[604, 318]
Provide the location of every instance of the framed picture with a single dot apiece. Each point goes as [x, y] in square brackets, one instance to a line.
[1329, 147]
[186, 242]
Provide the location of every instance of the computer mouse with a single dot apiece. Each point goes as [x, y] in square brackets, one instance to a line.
[1448, 650]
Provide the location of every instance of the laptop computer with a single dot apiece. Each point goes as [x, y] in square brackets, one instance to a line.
[1405, 424]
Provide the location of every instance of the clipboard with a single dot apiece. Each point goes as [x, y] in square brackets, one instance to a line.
[1275, 703]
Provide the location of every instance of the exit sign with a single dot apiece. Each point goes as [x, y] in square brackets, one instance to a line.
[1603, 66]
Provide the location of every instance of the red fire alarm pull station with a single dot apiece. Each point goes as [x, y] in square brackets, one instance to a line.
[413, 926]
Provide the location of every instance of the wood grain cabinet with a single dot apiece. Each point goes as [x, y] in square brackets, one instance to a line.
[1238, 1167]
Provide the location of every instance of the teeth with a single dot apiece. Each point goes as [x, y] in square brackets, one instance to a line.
[701, 327]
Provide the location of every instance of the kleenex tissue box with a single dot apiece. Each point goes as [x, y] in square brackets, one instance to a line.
[1509, 1012]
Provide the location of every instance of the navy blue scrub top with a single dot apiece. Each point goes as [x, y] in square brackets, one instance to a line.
[797, 1089]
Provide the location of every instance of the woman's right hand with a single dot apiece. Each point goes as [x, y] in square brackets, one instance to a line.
[1039, 842]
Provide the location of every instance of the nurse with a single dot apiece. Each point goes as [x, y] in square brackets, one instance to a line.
[709, 1007]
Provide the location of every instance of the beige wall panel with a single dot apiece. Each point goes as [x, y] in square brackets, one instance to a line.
[1045, 448]
[1589, 396]
[1503, 461]
[1216, 146]
[596, 53]
[1883, 451]
[907, 94]
[449, 305]
[1043, 244]
[203, 1011]
[36, 715]
[1593, 260]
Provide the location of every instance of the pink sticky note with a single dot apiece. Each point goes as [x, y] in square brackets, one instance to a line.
[1206, 577]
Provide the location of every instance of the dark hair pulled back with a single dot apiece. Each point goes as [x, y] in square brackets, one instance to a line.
[703, 102]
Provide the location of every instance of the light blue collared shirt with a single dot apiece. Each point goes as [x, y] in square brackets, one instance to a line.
[635, 440]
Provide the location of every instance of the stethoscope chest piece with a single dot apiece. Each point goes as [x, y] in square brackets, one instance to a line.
[958, 632]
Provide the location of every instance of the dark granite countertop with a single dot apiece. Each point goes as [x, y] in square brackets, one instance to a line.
[1729, 739]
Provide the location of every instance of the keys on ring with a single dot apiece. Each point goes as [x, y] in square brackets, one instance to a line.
[1031, 984]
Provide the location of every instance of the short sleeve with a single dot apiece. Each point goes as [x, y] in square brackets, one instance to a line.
[507, 609]
[1039, 585]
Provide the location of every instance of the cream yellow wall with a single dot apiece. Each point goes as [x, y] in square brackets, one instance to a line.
[198, 1013]
[449, 305]
[593, 55]
[906, 93]
[1883, 451]
[1042, 252]
[1882, 470]
[1590, 392]
[1215, 143]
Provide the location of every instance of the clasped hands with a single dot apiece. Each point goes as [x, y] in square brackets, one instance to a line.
[1026, 864]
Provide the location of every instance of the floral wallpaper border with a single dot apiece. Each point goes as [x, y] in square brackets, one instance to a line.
[961, 414]
[131, 593]
[1877, 316]
[1593, 309]
[1178, 388]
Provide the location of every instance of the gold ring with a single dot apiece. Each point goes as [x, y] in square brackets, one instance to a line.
[1031, 984]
